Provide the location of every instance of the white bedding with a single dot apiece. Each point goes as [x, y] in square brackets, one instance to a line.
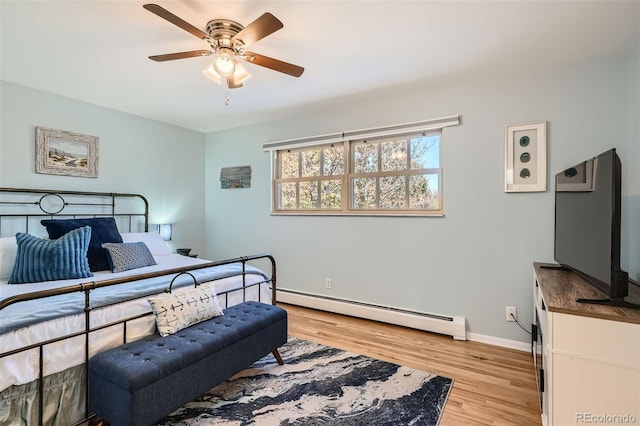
[23, 367]
[163, 262]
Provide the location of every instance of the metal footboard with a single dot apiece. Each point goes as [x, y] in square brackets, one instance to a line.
[89, 286]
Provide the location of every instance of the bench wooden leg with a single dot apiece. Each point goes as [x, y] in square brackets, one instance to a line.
[276, 354]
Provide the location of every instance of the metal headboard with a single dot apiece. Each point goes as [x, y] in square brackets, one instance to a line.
[22, 209]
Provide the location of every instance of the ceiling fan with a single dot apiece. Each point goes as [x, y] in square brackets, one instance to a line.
[228, 41]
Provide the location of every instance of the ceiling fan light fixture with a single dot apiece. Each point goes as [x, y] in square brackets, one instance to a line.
[240, 74]
[228, 40]
[223, 63]
[212, 74]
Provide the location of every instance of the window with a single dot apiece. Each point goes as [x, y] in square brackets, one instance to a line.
[401, 174]
[379, 173]
[310, 178]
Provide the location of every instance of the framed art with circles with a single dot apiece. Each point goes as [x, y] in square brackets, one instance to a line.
[526, 157]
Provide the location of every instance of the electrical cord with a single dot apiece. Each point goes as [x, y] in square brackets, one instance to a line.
[519, 325]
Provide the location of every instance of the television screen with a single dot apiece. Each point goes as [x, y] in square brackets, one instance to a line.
[587, 218]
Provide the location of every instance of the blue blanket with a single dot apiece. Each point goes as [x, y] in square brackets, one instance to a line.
[26, 313]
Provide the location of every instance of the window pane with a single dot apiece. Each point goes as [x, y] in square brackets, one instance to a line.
[333, 161]
[287, 192]
[290, 163]
[423, 191]
[380, 176]
[311, 162]
[364, 193]
[309, 195]
[425, 152]
[394, 155]
[331, 194]
[365, 157]
[393, 192]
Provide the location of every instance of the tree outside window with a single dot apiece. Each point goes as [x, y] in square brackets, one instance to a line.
[391, 175]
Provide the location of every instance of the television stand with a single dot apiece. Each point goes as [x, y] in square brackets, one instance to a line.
[587, 355]
[610, 302]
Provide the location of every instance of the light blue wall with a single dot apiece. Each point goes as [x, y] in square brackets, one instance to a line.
[160, 161]
[474, 261]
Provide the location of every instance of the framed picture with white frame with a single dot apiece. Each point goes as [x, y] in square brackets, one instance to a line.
[59, 152]
[526, 157]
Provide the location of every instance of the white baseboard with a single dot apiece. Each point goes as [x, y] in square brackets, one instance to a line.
[454, 326]
[499, 341]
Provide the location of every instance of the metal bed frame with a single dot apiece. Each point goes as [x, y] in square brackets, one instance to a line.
[52, 203]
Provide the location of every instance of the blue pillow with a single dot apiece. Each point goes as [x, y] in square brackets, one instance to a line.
[125, 256]
[38, 259]
[103, 230]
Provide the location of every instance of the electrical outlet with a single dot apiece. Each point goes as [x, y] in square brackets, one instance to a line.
[511, 313]
[328, 283]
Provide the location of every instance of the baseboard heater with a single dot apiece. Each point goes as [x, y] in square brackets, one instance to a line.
[451, 326]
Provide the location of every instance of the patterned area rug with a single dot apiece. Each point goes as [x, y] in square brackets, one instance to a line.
[320, 385]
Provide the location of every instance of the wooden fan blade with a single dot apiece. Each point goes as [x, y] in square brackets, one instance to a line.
[180, 55]
[165, 14]
[274, 64]
[260, 28]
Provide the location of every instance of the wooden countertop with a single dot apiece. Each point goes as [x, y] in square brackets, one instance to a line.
[560, 289]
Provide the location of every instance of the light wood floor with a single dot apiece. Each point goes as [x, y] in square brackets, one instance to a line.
[492, 385]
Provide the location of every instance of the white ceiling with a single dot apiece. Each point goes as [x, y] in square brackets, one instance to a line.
[96, 51]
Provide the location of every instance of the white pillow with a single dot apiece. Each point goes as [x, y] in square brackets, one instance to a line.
[152, 240]
[8, 252]
[176, 311]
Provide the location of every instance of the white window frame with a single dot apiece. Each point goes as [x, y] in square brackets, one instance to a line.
[346, 138]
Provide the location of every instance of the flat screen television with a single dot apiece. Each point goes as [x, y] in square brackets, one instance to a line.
[588, 225]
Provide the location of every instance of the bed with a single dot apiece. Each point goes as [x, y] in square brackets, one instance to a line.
[61, 315]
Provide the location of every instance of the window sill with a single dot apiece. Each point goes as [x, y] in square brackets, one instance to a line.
[368, 214]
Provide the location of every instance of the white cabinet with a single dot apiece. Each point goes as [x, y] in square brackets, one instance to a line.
[588, 356]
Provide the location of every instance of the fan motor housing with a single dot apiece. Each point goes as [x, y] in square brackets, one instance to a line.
[223, 30]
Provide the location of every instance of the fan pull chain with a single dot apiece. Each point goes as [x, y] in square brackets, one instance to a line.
[227, 99]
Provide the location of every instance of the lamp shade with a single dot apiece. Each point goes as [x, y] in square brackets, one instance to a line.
[212, 74]
[164, 230]
[240, 74]
[224, 64]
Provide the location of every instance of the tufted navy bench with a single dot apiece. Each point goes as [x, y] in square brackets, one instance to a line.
[141, 382]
